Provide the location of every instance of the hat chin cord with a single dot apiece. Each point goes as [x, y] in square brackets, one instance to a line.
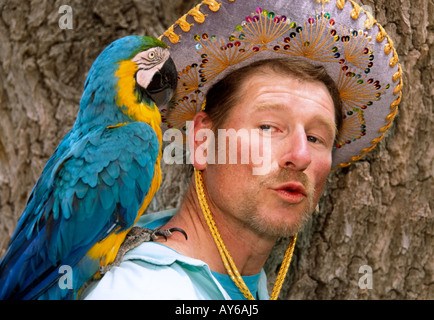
[224, 253]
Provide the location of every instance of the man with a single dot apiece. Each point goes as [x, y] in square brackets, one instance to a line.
[310, 118]
[291, 102]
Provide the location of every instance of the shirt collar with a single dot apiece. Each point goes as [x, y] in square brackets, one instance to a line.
[159, 254]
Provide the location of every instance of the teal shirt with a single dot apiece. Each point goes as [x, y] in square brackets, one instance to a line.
[231, 288]
[155, 271]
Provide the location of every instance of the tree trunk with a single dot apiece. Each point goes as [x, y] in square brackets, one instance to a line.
[375, 215]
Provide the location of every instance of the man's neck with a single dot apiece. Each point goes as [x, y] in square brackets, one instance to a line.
[248, 250]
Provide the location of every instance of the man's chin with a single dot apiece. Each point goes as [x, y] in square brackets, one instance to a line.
[284, 227]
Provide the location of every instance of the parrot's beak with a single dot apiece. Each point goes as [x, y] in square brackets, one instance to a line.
[163, 84]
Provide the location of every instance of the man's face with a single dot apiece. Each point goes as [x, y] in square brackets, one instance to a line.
[298, 118]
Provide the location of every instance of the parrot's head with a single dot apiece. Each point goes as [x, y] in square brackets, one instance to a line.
[134, 74]
[147, 60]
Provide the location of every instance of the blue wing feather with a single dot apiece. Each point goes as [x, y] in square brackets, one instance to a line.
[91, 184]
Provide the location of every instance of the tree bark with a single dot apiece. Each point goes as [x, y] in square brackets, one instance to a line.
[374, 215]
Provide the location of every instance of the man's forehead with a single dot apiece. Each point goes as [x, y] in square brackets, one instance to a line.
[264, 85]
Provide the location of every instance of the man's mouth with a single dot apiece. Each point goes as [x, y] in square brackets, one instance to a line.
[293, 192]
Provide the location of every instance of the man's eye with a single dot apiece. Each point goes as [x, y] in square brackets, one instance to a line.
[312, 139]
[265, 127]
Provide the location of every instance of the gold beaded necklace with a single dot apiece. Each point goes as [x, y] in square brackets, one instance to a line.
[224, 253]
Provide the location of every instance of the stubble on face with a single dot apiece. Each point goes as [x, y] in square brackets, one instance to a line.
[264, 224]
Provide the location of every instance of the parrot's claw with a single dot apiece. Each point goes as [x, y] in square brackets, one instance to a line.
[135, 237]
[167, 233]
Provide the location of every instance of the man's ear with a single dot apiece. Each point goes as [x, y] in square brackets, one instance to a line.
[201, 141]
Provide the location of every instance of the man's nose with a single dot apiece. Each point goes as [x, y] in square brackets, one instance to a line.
[296, 153]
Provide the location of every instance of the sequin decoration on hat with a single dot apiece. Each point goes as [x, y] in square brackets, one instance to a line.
[216, 37]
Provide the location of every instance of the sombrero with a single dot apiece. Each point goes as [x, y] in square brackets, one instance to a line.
[216, 37]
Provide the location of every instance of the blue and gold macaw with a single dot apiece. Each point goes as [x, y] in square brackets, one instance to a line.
[100, 178]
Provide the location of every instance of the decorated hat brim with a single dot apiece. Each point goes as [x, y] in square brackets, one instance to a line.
[216, 37]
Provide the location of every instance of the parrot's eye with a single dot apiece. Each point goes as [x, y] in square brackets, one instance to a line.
[151, 55]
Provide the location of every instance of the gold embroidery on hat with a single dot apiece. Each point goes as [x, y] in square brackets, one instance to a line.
[357, 49]
[217, 55]
[377, 140]
[398, 74]
[353, 128]
[184, 101]
[389, 46]
[171, 35]
[366, 150]
[212, 4]
[394, 60]
[340, 4]
[183, 24]
[357, 93]
[198, 16]
[315, 41]
[262, 28]
[397, 101]
[398, 88]
[392, 114]
[356, 10]
[188, 81]
[370, 20]
[183, 110]
[381, 34]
